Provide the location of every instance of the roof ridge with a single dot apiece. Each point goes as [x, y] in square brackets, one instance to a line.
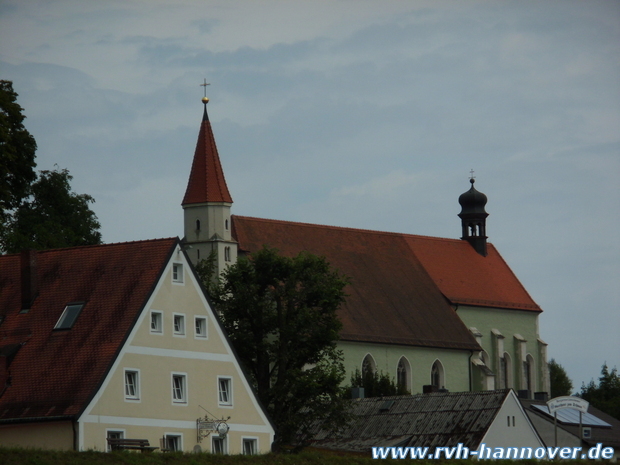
[110, 244]
[375, 231]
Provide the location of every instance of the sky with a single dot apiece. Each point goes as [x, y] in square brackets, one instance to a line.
[364, 114]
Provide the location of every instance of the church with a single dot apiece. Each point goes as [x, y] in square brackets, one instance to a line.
[432, 313]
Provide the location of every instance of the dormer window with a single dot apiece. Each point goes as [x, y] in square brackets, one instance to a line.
[69, 315]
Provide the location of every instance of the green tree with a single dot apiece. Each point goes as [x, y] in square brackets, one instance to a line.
[53, 217]
[606, 395]
[377, 384]
[17, 152]
[561, 385]
[36, 212]
[280, 315]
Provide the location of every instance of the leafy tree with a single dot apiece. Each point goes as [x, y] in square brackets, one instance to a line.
[377, 384]
[53, 217]
[17, 152]
[36, 212]
[561, 385]
[280, 314]
[605, 396]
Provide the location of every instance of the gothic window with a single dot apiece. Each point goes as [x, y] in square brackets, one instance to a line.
[506, 371]
[528, 369]
[403, 375]
[437, 375]
[197, 225]
[368, 366]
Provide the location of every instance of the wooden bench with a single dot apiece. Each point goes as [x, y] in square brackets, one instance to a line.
[131, 444]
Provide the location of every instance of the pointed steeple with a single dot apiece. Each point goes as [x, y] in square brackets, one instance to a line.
[207, 203]
[206, 180]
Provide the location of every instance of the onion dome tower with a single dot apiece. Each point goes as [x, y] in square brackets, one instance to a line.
[207, 203]
[473, 218]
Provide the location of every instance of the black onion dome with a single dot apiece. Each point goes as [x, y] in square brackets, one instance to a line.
[472, 201]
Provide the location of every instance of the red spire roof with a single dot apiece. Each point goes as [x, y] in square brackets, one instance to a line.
[206, 180]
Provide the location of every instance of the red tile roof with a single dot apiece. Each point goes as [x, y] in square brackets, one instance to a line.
[391, 299]
[467, 278]
[55, 372]
[206, 181]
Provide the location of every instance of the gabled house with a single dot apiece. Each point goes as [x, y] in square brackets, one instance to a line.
[119, 341]
[493, 418]
[444, 313]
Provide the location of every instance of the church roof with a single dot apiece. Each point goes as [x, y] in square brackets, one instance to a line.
[206, 181]
[391, 299]
[53, 373]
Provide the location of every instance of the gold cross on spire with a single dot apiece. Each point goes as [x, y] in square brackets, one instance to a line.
[205, 99]
[471, 174]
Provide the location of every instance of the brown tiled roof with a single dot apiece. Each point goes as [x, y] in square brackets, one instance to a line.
[54, 373]
[466, 277]
[391, 299]
[424, 420]
[206, 180]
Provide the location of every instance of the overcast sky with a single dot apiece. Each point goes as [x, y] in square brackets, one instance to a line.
[366, 114]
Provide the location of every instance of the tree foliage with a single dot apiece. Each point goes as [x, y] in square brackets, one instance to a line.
[280, 314]
[561, 385]
[377, 384]
[17, 152]
[606, 395]
[53, 217]
[36, 212]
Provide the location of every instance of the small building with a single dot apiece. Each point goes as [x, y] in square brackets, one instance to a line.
[119, 341]
[493, 418]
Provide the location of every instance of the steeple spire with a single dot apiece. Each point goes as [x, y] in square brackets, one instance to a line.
[206, 180]
[207, 202]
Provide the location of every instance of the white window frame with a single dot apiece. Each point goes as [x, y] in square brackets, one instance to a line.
[177, 273]
[181, 331]
[205, 332]
[178, 437]
[121, 433]
[253, 440]
[228, 403]
[160, 316]
[128, 397]
[184, 391]
[224, 442]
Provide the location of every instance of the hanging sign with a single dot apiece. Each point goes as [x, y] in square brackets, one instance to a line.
[559, 403]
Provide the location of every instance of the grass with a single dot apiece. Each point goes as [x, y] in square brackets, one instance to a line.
[14, 456]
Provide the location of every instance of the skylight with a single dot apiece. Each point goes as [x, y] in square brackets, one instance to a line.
[571, 416]
[69, 315]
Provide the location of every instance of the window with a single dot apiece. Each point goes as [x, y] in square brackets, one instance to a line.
[227, 254]
[402, 375]
[132, 384]
[157, 325]
[69, 315]
[225, 391]
[218, 445]
[437, 375]
[114, 434]
[250, 446]
[179, 388]
[201, 327]
[368, 366]
[179, 324]
[177, 273]
[197, 225]
[173, 442]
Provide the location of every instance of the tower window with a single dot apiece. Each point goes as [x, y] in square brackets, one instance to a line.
[226, 225]
[197, 225]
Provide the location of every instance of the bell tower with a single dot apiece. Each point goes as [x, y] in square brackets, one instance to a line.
[207, 203]
[473, 218]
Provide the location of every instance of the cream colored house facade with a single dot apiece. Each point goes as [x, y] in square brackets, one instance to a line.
[184, 369]
[143, 357]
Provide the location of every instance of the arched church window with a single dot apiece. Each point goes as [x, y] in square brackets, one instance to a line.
[197, 225]
[505, 366]
[437, 375]
[227, 254]
[403, 375]
[368, 366]
[528, 369]
[226, 225]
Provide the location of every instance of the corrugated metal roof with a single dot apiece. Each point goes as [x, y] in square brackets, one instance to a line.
[425, 420]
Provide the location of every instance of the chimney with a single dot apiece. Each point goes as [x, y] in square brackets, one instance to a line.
[29, 278]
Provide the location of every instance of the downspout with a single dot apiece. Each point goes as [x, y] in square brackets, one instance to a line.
[471, 384]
